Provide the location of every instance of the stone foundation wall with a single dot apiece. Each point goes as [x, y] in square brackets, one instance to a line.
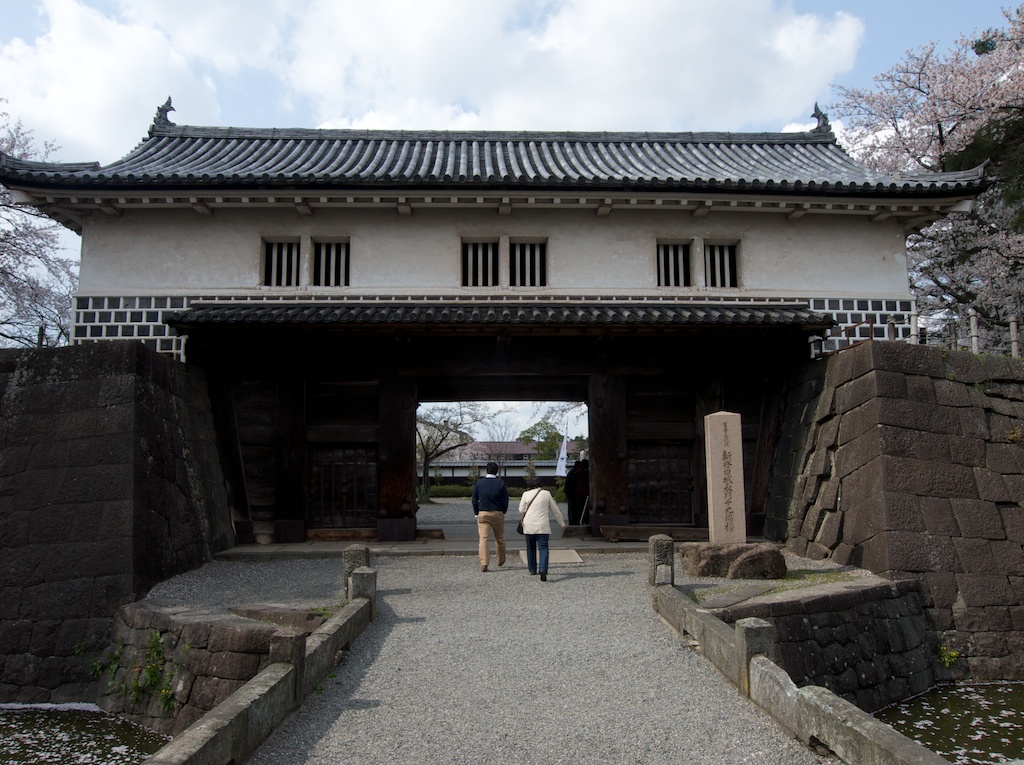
[908, 461]
[868, 643]
[168, 666]
[109, 483]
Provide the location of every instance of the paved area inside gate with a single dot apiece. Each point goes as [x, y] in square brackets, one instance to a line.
[468, 667]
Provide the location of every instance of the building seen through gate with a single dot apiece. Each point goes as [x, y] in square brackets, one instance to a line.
[331, 281]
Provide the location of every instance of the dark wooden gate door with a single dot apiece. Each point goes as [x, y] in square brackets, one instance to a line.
[660, 482]
[342, 487]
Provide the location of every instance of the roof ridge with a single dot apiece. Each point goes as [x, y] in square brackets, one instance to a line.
[585, 136]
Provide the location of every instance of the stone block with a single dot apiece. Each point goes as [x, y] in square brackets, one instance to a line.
[908, 442]
[1009, 557]
[1003, 458]
[231, 665]
[966, 451]
[71, 599]
[978, 519]
[208, 692]
[973, 423]
[939, 520]
[21, 669]
[876, 383]
[831, 528]
[1015, 485]
[952, 393]
[928, 479]
[1013, 522]
[898, 551]
[228, 636]
[921, 388]
[991, 644]
[981, 591]
[975, 556]
[991, 485]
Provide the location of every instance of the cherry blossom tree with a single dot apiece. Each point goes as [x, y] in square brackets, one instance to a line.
[943, 111]
[37, 282]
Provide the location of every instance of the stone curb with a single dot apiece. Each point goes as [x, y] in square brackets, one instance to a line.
[812, 714]
[236, 727]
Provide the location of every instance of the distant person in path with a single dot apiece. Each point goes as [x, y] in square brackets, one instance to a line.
[571, 501]
[536, 508]
[577, 489]
[490, 503]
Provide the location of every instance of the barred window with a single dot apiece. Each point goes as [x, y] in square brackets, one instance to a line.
[528, 264]
[330, 264]
[673, 265]
[479, 264]
[281, 264]
[720, 265]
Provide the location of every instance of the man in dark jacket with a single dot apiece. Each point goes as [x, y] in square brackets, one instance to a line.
[490, 502]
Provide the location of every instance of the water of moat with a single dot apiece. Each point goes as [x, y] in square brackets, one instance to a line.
[74, 734]
[968, 724]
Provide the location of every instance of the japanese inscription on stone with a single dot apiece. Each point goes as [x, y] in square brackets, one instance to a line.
[726, 502]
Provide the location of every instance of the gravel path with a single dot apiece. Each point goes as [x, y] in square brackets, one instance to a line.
[465, 667]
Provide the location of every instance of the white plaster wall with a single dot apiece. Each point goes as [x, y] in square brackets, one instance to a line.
[175, 252]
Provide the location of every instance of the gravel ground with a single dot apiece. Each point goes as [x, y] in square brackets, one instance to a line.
[462, 666]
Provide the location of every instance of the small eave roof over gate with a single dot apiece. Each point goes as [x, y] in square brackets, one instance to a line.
[180, 157]
[415, 316]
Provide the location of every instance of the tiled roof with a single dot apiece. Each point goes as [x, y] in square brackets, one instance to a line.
[202, 157]
[468, 315]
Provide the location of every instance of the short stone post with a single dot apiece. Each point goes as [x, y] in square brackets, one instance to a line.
[661, 560]
[289, 646]
[727, 519]
[753, 636]
[353, 557]
[363, 584]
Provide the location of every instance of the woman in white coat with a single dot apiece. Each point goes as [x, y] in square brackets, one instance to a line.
[536, 508]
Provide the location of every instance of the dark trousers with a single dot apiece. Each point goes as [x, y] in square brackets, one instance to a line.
[537, 543]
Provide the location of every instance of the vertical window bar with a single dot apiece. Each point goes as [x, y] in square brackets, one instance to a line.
[542, 271]
[492, 249]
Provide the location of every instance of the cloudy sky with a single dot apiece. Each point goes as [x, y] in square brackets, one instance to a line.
[89, 74]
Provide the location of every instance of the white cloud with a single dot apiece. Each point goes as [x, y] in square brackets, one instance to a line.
[585, 64]
[228, 34]
[92, 81]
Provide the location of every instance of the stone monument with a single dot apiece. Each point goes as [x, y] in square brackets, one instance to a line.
[727, 521]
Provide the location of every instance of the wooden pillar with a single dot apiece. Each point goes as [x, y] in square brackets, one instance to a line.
[609, 473]
[396, 459]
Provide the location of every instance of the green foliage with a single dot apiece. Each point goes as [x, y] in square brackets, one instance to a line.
[80, 648]
[946, 656]
[449, 491]
[546, 439]
[151, 678]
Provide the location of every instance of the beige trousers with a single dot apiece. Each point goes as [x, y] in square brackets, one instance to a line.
[488, 521]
